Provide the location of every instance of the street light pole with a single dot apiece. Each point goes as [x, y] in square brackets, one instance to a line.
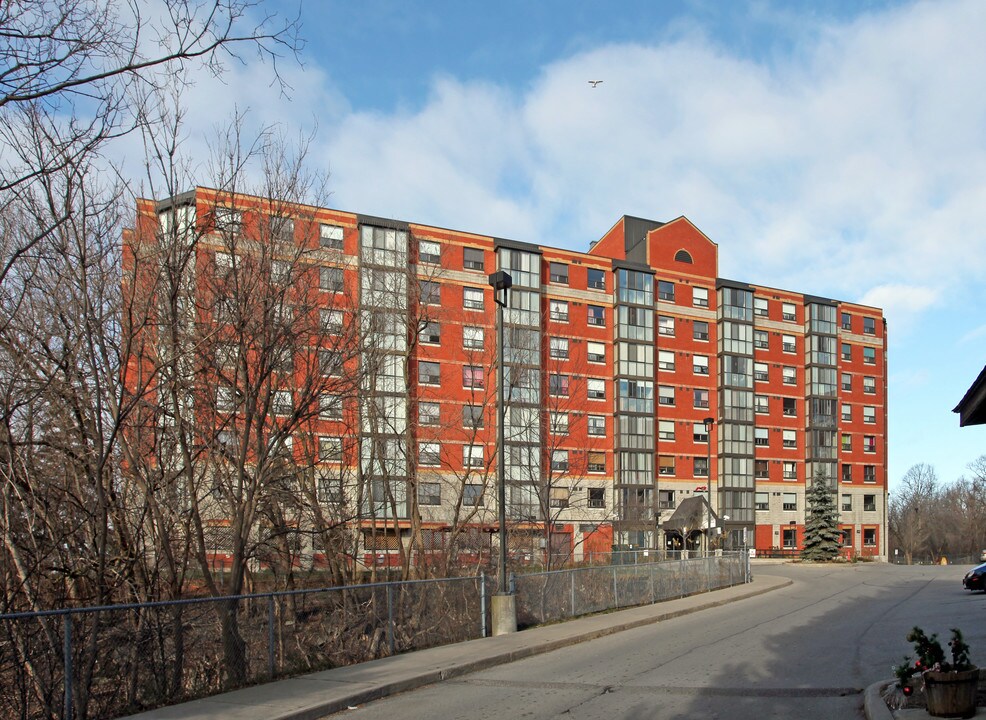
[504, 607]
[709, 422]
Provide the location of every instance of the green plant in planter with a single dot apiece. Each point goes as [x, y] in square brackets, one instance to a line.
[931, 656]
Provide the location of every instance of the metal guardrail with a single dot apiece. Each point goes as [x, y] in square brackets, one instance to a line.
[104, 662]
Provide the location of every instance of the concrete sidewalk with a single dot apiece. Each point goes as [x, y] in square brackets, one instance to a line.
[322, 693]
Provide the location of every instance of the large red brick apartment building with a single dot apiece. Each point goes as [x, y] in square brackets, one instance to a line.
[614, 359]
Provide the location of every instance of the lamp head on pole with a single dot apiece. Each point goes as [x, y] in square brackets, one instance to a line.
[709, 422]
[500, 280]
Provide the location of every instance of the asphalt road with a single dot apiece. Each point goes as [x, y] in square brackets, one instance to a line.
[806, 651]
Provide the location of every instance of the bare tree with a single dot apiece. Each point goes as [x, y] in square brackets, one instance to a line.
[912, 507]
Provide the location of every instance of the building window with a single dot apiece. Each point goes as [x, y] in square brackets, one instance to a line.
[790, 538]
[595, 389]
[846, 442]
[428, 413]
[789, 375]
[700, 330]
[760, 404]
[429, 293]
[473, 299]
[330, 407]
[869, 443]
[665, 395]
[597, 497]
[790, 438]
[228, 220]
[665, 360]
[431, 332]
[788, 312]
[790, 407]
[429, 252]
[869, 326]
[330, 449]
[559, 460]
[429, 493]
[665, 430]
[330, 279]
[846, 381]
[330, 362]
[700, 466]
[788, 343]
[558, 348]
[429, 454]
[700, 297]
[665, 290]
[472, 259]
[846, 473]
[472, 456]
[700, 364]
[761, 437]
[596, 462]
[790, 470]
[558, 310]
[869, 473]
[761, 340]
[281, 402]
[846, 412]
[760, 306]
[665, 499]
[473, 338]
[330, 236]
[331, 321]
[700, 433]
[701, 398]
[558, 423]
[761, 469]
[869, 385]
[869, 355]
[472, 417]
[869, 414]
[558, 385]
[558, 497]
[665, 464]
[596, 352]
[596, 315]
[472, 376]
[760, 372]
[846, 502]
[761, 501]
[472, 495]
[846, 321]
[597, 425]
[665, 325]
[846, 351]
[869, 503]
[595, 279]
[869, 537]
[790, 501]
[558, 273]
[281, 228]
[428, 373]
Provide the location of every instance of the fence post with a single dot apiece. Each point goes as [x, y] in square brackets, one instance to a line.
[270, 635]
[482, 603]
[681, 574]
[390, 618]
[616, 595]
[653, 592]
[708, 572]
[67, 651]
[573, 592]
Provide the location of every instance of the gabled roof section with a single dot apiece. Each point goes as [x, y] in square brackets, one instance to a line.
[972, 407]
[666, 243]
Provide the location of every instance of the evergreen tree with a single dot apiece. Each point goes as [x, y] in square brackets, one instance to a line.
[822, 537]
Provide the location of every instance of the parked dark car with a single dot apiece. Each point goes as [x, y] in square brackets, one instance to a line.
[975, 579]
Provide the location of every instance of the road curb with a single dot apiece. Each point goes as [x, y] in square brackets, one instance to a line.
[874, 706]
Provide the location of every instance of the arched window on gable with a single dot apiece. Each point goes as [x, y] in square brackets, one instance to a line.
[683, 256]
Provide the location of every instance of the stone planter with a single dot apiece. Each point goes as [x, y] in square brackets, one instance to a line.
[951, 694]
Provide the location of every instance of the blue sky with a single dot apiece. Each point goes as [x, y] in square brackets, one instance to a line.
[837, 149]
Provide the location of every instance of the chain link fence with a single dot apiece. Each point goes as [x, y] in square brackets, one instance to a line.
[105, 662]
[552, 596]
